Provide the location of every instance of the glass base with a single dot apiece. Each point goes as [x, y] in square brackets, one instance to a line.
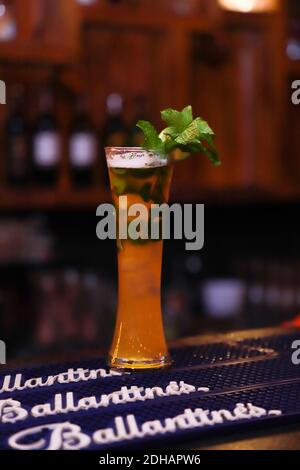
[131, 364]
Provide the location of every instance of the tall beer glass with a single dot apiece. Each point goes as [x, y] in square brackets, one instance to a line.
[139, 340]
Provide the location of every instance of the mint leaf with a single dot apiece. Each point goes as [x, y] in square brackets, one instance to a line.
[210, 150]
[171, 132]
[212, 154]
[185, 133]
[204, 127]
[170, 144]
[176, 119]
[206, 147]
[198, 137]
[198, 130]
[152, 140]
[189, 134]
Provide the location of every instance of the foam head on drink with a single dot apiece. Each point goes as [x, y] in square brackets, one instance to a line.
[139, 340]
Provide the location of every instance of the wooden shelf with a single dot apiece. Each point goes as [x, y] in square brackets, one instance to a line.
[37, 199]
[47, 32]
[19, 52]
[225, 80]
[250, 19]
[110, 16]
[22, 200]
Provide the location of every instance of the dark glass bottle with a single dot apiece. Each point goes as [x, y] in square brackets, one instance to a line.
[115, 132]
[46, 142]
[136, 136]
[293, 44]
[82, 146]
[16, 136]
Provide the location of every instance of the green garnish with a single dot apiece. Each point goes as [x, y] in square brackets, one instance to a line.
[183, 133]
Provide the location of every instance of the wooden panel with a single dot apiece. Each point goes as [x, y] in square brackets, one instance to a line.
[214, 97]
[47, 31]
[56, 22]
[236, 80]
[151, 15]
[242, 101]
[122, 61]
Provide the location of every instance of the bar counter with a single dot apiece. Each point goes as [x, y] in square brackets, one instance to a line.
[205, 354]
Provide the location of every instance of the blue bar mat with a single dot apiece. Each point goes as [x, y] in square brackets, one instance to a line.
[211, 389]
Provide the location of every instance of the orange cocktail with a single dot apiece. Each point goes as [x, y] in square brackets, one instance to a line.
[139, 340]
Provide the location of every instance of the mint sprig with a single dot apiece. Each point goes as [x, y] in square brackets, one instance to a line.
[183, 132]
[152, 140]
[176, 119]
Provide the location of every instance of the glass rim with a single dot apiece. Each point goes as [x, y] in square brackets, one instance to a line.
[133, 157]
[126, 148]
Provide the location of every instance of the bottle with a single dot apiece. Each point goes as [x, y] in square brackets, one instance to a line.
[8, 22]
[114, 133]
[114, 129]
[82, 146]
[136, 136]
[46, 143]
[293, 41]
[17, 151]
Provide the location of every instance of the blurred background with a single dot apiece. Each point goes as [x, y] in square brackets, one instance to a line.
[79, 74]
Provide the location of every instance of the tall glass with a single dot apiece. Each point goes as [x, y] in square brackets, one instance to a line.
[139, 340]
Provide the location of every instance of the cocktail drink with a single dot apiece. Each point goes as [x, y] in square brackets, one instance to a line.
[141, 177]
[139, 340]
